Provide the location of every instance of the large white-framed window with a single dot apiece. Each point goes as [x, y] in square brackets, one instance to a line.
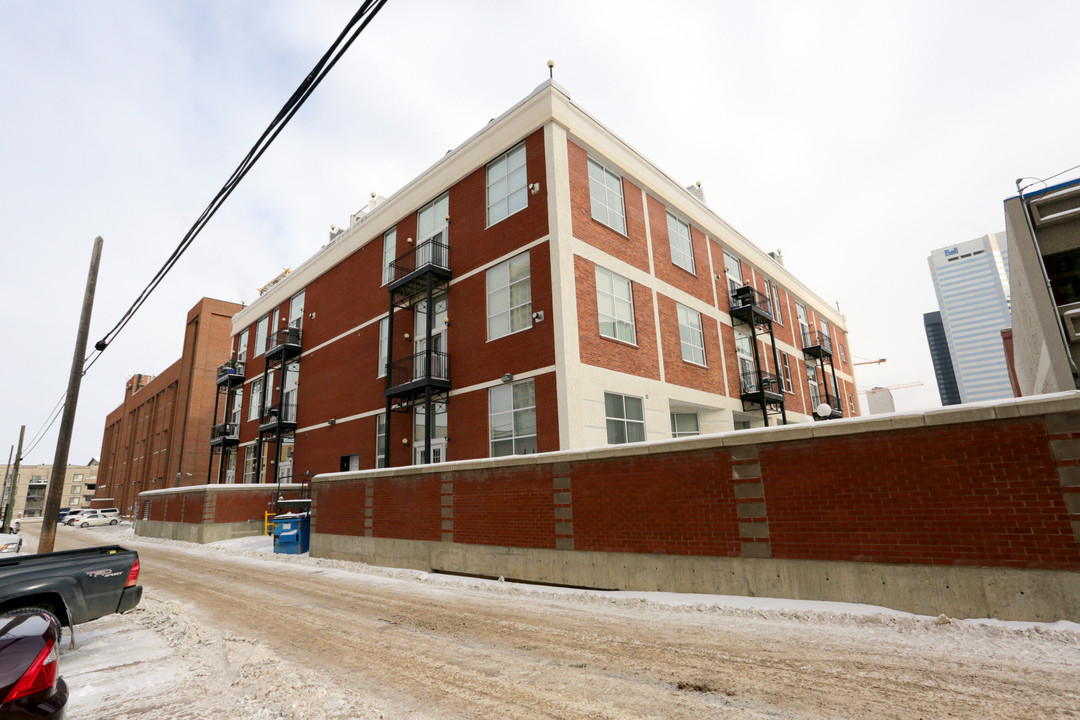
[238, 400]
[625, 417]
[432, 236]
[389, 254]
[744, 350]
[509, 297]
[255, 402]
[267, 394]
[682, 249]
[684, 424]
[260, 335]
[772, 295]
[241, 346]
[291, 374]
[512, 411]
[250, 455]
[381, 459]
[691, 336]
[787, 373]
[804, 323]
[431, 219]
[296, 310]
[733, 272]
[851, 403]
[615, 305]
[606, 197]
[811, 381]
[506, 185]
[384, 345]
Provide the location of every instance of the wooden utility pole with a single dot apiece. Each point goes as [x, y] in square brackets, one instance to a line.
[67, 422]
[3, 491]
[14, 482]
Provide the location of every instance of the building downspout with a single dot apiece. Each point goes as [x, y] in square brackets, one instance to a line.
[1049, 287]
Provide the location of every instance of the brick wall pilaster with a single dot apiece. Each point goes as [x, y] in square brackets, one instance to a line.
[750, 502]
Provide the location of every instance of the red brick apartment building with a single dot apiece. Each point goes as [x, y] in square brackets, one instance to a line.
[578, 297]
[157, 437]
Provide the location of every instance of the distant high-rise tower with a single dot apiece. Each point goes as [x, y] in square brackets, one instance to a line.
[939, 353]
[972, 280]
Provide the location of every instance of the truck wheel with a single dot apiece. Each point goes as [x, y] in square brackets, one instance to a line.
[44, 611]
[85, 524]
[114, 521]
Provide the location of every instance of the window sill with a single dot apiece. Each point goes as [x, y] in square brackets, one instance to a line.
[691, 363]
[515, 332]
[620, 342]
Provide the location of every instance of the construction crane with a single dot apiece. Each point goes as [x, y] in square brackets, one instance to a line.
[869, 362]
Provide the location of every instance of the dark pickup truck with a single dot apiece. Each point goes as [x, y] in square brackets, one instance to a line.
[75, 586]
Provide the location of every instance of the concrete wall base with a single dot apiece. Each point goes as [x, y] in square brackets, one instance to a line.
[960, 592]
[198, 533]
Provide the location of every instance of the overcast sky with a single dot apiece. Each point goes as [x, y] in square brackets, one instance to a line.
[856, 137]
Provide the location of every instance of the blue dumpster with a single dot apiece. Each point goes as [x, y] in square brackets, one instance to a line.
[291, 532]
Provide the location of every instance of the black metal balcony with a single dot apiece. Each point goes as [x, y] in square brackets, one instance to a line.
[225, 435]
[836, 405]
[284, 345]
[750, 306]
[770, 387]
[414, 373]
[230, 374]
[407, 276]
[816, 344]
[278, 418]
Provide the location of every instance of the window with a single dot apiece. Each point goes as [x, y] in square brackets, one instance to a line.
[77, 477]
[804, 324]
[74, 502]
[296, 310]
[625, 418]
[389, 254]
[787, 373]
[605, 194]
[241, 346]
[238, 399]
[690, 335]
[381, 459]
[255, 404]
[350, 463]
[512, 411]
[615, 305]
[431, 220]
[260, 335]
[733, 270]
[744, 349]
[509, 297]
[851, 403]
[682, 249]
[506, 185]
[811, 380]
[384, 346]
[76, 489]
[843, 355]
[249, 463]
[773, 294]
[684, 425]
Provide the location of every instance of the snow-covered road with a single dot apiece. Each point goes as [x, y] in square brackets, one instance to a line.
[230, 630]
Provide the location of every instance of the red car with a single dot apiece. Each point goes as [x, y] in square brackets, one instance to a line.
[30, 682]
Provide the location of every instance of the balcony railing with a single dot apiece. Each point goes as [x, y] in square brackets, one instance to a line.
[770, 383]
[276, 417]
[748, 298]
[816, 343]
[836, 405]
[433, 253]
[420, 368]
[225, 434]
[285, 341]
[230, 373]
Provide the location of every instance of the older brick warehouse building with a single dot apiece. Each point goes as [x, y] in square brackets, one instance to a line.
[158, 436]
[578, 297]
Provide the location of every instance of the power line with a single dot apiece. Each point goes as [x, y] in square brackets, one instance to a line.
[345, 39]
[46, 426]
